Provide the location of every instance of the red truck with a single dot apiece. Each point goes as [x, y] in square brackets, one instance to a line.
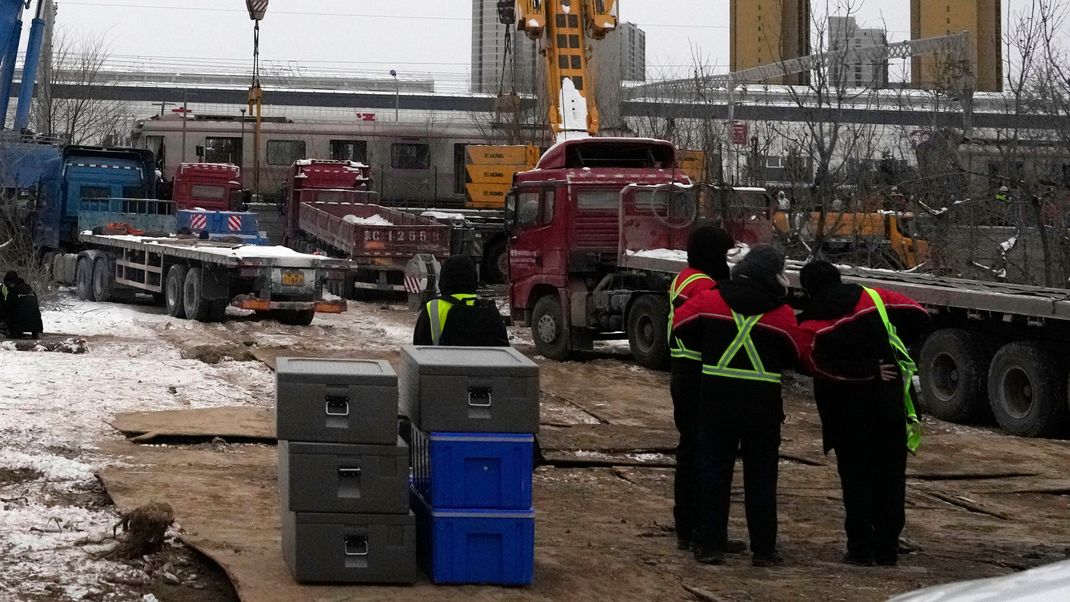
[330, 210]
[565, 221]
[211, 186]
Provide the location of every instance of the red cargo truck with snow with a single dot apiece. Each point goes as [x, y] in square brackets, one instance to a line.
[330, 210]
[210, 186]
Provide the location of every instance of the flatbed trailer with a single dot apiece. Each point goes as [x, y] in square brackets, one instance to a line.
[199, 279]
[477, 233]
[996, 350]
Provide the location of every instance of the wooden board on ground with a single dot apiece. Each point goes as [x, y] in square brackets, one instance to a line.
[243, 423]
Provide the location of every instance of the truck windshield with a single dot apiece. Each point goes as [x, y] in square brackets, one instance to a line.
[208, 193]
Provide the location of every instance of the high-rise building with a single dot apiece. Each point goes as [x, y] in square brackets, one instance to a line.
[846, 38]
[767, 31]
[620, 57]
[979, 18]
[489, 57]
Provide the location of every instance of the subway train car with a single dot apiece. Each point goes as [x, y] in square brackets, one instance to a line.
[421, 164]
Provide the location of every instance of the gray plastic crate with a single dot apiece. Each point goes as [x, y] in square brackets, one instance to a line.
[340, 478]
[336, 401]
[349, 548]
[469, 389]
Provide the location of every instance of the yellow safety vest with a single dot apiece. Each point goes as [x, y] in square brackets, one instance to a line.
[743, 342]
[439, 309]
[907, 367]
[676, 346]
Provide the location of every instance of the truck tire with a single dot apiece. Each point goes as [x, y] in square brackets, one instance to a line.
[954, 372]
[294, 317]
[174, 295]
[197, 307]
[84, 279]
[103, 281]
[648, 337]
[549, 329]
[496, 264]
[1027, 386]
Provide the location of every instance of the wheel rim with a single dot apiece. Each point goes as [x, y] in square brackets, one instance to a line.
[547, 329]
[172, 292]
[1017, 391]
[644, 333]
[945, 377]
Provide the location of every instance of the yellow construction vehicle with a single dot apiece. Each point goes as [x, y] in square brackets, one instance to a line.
[869, 239]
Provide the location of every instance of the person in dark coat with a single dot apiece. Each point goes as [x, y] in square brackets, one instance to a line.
[748, 337]
[458, 318]
[22, 312]
[859, 390]
[707, 250]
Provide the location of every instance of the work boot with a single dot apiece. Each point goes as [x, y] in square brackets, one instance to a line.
[771, 559]
[735, 546]
[858, 559]
[705, 556]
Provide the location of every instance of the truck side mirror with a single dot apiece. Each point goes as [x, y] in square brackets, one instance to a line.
[510, 212]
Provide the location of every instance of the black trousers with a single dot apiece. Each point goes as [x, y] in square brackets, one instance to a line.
[685, 386]
[757, 441]
[872, 465]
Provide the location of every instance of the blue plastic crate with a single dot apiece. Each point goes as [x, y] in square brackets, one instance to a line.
[473, 470]
[475, 546]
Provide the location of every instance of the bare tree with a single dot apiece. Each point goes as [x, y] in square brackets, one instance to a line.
[66, 106]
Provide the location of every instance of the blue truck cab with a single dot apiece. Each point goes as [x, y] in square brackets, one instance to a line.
[94, 175]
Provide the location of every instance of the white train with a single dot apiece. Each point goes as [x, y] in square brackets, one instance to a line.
[419, 164]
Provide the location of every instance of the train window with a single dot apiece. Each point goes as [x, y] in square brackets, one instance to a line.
[410, 156]
[349, 150]
[285, 152]
[223, 150]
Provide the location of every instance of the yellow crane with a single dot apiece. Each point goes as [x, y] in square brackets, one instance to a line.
[563, 28]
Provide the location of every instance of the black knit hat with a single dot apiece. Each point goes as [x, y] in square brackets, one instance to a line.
[817, 276]
[762, 265]
[458, 276]
[11, 276]
[707, 248]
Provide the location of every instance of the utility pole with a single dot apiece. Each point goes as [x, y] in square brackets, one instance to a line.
[44, 96]
[185, 117]
[397, 94]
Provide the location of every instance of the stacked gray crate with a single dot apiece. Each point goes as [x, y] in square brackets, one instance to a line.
[343, 473]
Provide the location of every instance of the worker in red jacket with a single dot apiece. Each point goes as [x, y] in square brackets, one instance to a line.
[748, 337]
[707, 250]
[862, 379]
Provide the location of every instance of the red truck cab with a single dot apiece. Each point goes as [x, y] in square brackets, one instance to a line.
[564, 220]
[321, 180]
[210, 186]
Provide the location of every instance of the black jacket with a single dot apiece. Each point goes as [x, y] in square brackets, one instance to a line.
[22, 313]
[849, 344]
[705, 322]
[469, 323]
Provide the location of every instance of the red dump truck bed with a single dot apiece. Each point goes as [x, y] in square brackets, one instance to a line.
[373, 234]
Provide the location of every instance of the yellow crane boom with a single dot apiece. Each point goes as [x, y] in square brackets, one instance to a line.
[563, 27]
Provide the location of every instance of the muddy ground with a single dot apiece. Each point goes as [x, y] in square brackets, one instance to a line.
[979, 504]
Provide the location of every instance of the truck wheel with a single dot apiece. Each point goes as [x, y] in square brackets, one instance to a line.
[197, 307]
[103, 281]
[549, 329]
[954, 369]
[84, 279]
[496, 264]
[648, 322]
[292, 317]
[174, 295]
[1027, 390]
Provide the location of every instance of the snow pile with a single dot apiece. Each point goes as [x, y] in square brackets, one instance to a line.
[1009, 244]
[666, 254]
[573, 109]
[441, 215]
[375, 220]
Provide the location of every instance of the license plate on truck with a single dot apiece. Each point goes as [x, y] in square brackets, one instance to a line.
[293, 278]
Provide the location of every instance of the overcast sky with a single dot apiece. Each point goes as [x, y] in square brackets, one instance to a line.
[378, 35]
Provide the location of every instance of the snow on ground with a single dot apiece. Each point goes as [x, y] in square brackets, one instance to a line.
[54, 408]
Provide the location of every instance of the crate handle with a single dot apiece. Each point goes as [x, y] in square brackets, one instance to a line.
[356, 545]
[337, 405]
[480, 397]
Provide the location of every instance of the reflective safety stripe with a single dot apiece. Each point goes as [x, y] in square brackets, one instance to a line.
[907, 367]
[438, 310]
[677, 349]
[743, 342]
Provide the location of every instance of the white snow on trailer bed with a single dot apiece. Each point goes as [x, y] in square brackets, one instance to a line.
[207, 250]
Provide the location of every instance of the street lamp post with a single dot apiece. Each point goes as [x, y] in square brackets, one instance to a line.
[397, 94]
